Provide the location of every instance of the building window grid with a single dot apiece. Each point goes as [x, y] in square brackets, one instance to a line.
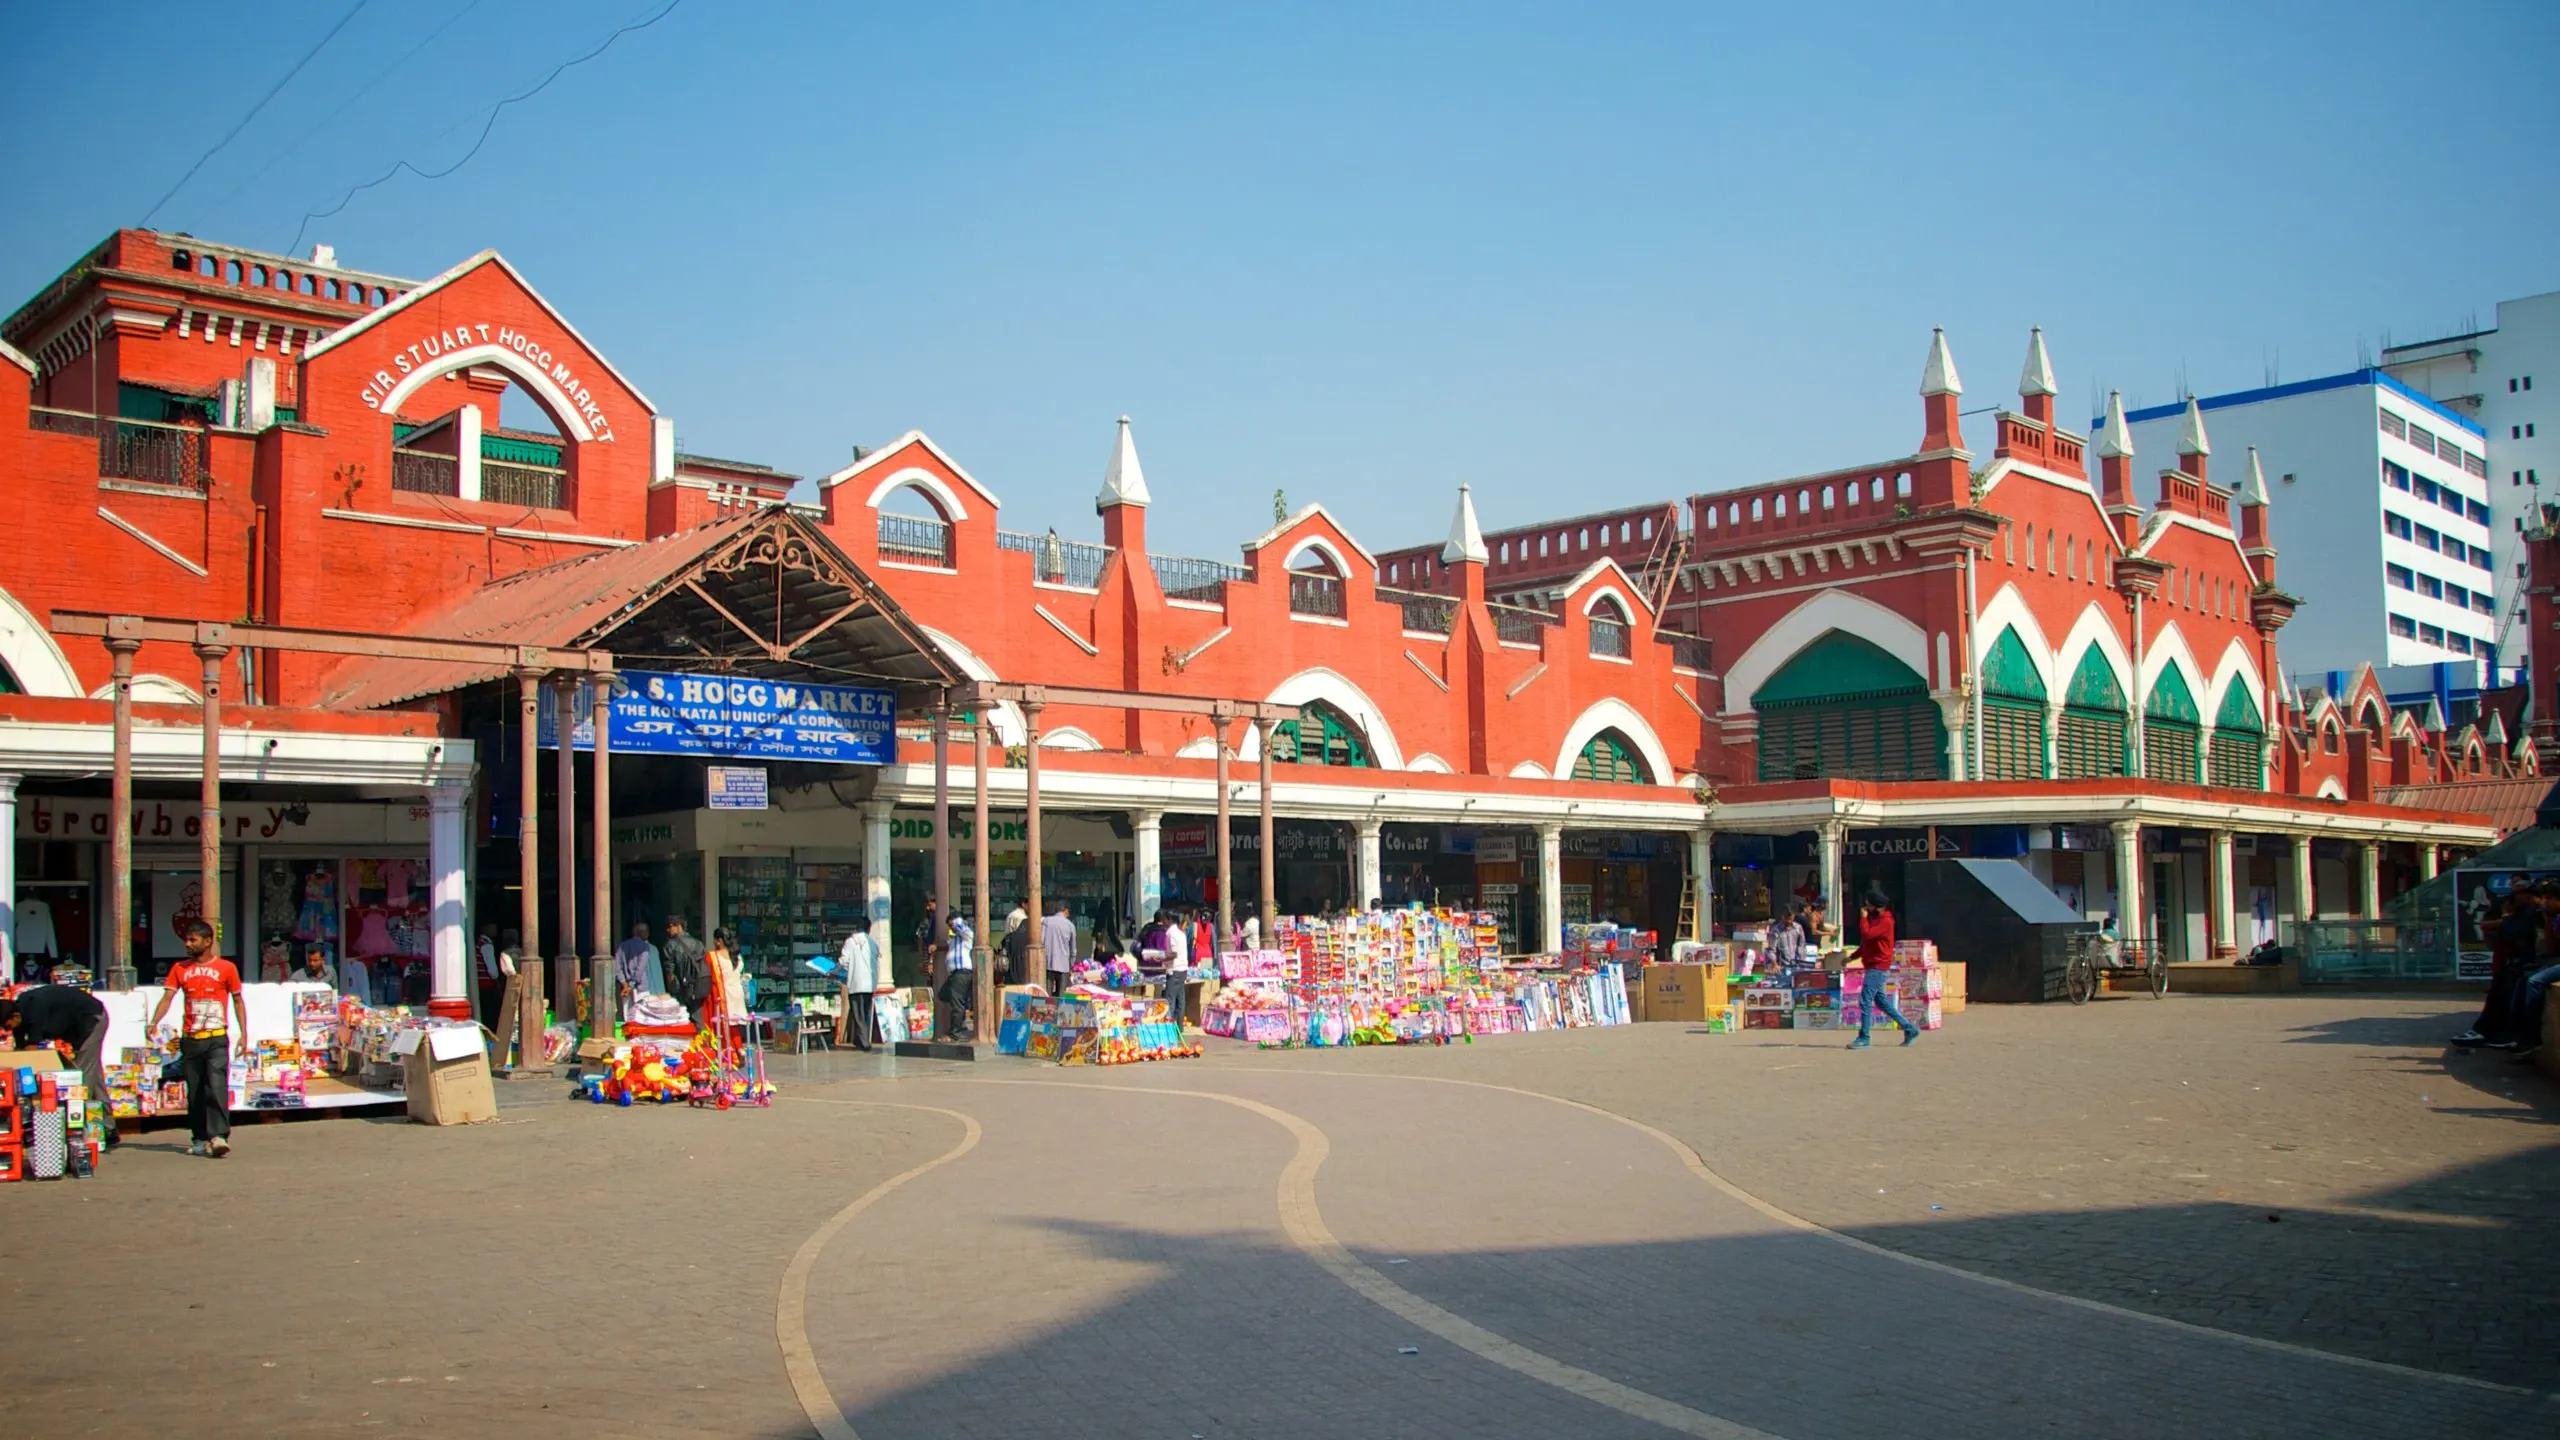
[2090, 745]
[1883, 738]
[2235, 760]
[2012, 738]
[2169, 749]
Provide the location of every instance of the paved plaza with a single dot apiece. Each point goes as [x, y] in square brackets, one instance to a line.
[2224, 1216]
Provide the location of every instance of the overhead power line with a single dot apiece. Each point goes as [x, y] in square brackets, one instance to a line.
[234, 132]
[486, 127]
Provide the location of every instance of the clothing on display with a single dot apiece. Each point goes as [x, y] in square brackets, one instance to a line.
[35, 927]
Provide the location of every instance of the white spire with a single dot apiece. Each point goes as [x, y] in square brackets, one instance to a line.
[1124, 483]
[2037, 378]
[2115, 438]
[1466, 538]
[1940, 376]
[2191, 436]
[2253, 490]
[2496, 735]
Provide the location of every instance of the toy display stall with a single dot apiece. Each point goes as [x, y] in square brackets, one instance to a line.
[1089, 1025]
[50, 1127]
[307, 1048]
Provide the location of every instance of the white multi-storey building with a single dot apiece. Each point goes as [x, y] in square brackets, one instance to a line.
[2384, 492]
[2489, 375]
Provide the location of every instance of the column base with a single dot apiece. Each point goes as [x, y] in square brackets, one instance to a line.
[450, 1007]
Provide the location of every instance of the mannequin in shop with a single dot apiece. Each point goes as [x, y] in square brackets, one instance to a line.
[35, 942]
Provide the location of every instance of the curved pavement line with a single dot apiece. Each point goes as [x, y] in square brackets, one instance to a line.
[790, 1309]
[1698, 1166]
[1303, 1222]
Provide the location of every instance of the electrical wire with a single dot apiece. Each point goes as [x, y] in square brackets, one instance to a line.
[234, 132]
[486, 127]
[280, 156]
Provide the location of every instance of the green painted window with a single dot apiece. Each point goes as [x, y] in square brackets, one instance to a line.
[1322, 736]
[2238, 751]
[2013, 712]
[2172, 732]
[1611, 757]
[2091, 743]
[1844, 709]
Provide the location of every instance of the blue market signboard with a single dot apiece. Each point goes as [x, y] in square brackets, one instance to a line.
[738, 717]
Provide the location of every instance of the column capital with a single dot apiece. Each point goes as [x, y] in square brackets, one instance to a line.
[1147, 819]
[1369, 827]
[9, 784]
[444, 799]
[1550, 830]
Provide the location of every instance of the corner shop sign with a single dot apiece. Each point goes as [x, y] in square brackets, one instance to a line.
[738, 716]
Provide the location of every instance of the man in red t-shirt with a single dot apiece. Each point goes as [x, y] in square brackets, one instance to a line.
[1875, 952]
[204, 1044]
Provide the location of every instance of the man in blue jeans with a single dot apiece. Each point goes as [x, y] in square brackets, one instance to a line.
[1875, 952]
[2528, 1026]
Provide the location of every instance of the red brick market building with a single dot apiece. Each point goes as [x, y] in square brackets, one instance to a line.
[1775, 689]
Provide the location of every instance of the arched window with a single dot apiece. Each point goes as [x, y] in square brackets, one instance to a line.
[2238, 755]
[1844, 709]
[2091, 744]
[1321, 735]
[1609, 631]
[1613, 759]
[2171, 730]
[2013, 712]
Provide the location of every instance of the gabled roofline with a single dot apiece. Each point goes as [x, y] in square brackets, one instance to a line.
[1304, 514]
[17, 357]
[882, 456]
[1633, 591]
[485, 257]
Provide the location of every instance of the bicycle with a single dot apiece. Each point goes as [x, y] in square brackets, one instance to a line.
[2094, 957]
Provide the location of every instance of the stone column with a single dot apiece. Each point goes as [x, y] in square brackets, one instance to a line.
[1702, 874]
[875, 879]
[2426, 861]
[1836, 907]
[449, 936]
[2052, 739]
[1147, 827]
[2306, 897]
[1952, 712]
[1371, 871]
[1551, 889]
[2369, 879]
[2130, 922]
[2221, 898]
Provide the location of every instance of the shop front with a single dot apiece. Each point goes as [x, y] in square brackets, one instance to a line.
[1629, 879]
[1085, 860]
[1311, 870]
[1487, 869]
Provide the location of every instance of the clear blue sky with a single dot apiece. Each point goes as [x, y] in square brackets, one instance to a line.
[1581, 256]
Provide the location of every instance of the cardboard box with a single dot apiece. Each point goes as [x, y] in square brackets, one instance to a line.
[46, 1058]
[1683, 993]
[446, 1075]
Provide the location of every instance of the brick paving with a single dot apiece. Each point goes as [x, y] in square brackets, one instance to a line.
[1112, 1262]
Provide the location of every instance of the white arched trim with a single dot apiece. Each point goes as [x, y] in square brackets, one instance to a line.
[32, 655]
[1626, 607]
[1429, 764]
[1003, 716]
[945, 499]
[149, 689]
[1322, 546]
[1823, 612]
[2094, 627]
[1530, 770]
[2008, 611]
[2237, 667]
[1615, 715]
[1341, 694]
[564, 411]
[2169, 648]
[1068, 737]
[2371, 705]
[1203, 748]
[2330, 789]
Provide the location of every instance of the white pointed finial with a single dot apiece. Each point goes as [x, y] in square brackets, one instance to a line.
[2191, 436]
[2496, 735]
[1939, 378]
[2115, 438]
[1124, 483]
[2253, 488]
[2037, 377]
[1466, 538]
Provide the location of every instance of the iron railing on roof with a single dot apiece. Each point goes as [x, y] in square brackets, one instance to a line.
[1689, 652]
[1060, 562]
[1315, 595]
[538, 486]
[62, 422]
[913, 537]
[423, 472]
[1518, 626]
[1424, 612]
[1609, 638]
[1183, 578]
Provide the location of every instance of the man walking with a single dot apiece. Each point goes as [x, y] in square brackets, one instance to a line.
[204, 1045]
[1875, 952]
[45, 1014]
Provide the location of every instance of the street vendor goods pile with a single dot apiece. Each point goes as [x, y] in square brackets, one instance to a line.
[1090, 1025]
[1402, 977]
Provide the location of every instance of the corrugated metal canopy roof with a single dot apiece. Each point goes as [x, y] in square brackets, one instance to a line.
[762, 593]
[2507, 804]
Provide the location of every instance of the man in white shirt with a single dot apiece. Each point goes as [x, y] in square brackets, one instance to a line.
[1177, 966]
[861, 982]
